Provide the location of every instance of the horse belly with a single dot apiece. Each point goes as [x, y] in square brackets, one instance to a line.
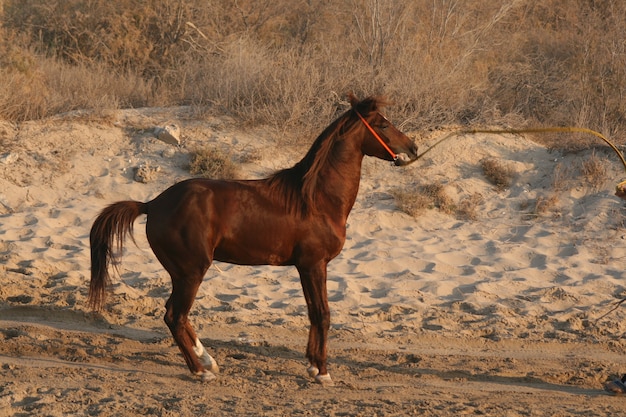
[254, 250]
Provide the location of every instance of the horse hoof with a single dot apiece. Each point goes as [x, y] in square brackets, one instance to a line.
[313, 371]
[209, 364]
[325, 380]
[206, 360]
[214, 368]
[207, 376]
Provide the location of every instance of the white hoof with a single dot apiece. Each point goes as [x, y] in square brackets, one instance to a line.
[207, 376]
[313, 371]
[205, 359]
[209, 363]
[325, 380]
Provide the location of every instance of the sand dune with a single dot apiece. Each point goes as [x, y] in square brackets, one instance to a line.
[433, 315]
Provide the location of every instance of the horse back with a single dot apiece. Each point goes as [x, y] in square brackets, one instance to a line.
[238, 222]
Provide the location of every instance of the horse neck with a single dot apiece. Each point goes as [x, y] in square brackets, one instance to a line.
[338, 178]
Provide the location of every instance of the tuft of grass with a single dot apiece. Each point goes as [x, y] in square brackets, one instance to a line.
[437, 194]
[416, 199]
[497, 173]
[212, 163]
[594, 171]
[468, 207]
[540, 206]
[561, 178]
[547, 204]
[410, 201]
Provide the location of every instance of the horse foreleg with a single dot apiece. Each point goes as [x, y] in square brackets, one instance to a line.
[315, 293]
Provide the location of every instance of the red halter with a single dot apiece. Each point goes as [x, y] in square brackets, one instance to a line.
[382, 142]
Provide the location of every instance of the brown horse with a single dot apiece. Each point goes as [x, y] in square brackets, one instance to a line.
[295, 217]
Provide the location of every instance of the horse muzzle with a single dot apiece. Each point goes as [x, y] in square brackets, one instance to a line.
[405, 158]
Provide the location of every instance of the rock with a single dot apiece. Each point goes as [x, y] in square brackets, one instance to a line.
[168, 134]
[146, 173]
[168, 153]
[4, 205]
[8, 158]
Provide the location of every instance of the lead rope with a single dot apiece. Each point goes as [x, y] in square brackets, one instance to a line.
[620, 186]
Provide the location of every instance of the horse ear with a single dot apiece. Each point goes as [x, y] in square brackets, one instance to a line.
[367, 105]
[353, 99]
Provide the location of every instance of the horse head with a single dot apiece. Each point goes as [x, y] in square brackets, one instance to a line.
[382, 139]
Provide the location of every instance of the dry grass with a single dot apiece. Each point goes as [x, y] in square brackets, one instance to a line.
[546, 204]
[437, 194]
[468, 207]
[542, 205]
[410, 201]
[497, 173]
[562, 178]
[288, 64]
[45, 87]
[594, 171]
[212, 163]
[415, 200]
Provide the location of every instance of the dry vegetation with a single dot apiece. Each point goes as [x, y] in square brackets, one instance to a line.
[418, 198]
[414, 200]
[497, 173]
[212, 163]
[286, 64]
[468, 207]
[594, 171]
[542, 205]
[411, 200]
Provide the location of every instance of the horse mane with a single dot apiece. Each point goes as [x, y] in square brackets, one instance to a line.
[297, 184]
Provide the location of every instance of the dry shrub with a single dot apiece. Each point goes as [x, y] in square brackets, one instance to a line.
[410, 201]
[212, 163]
[561, 178]
[44, 87]
[540, 206]
[594, 171]
[437, 193]
[414, 200]
[136, 35]
[497, 173]
[556, 37]
[468, 207]
[546, 204]
[288, 63]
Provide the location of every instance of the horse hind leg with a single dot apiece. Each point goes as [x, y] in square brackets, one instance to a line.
[205, 359]
[198, 360]
[180, 240]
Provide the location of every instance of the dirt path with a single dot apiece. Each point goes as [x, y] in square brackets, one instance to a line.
[80, 366]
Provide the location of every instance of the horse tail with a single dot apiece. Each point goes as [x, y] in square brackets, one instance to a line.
[110, 228]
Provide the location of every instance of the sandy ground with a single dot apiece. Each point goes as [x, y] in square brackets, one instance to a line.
[433, 315]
